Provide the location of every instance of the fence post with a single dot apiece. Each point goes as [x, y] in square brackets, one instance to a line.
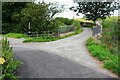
[37, 34]
[58, 33]
[44, 34]
[48, 33]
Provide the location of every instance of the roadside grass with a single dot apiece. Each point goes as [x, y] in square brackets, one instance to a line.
[103, 53]
[15, 35]
[40, 39]
[78, 31]
[50, 38]
[9, 64]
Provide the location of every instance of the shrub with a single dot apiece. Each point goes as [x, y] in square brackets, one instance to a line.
[15, 35]
[110, 33]
[110, 22]
[77, 25]
[112, 64]
[65, 20]
[54, 25]
[10, 63]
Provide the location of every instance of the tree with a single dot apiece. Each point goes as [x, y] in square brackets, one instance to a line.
[95, 10]
[39, 16]
[9, 11]
[56, 8]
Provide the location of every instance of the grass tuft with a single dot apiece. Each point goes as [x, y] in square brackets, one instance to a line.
[15, 35]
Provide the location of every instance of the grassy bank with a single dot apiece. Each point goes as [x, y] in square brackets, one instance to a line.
[102, 52]
[15, 35]
[111, 33]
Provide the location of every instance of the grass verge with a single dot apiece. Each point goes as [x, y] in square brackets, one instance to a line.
[50, 38]
[8, 62]
[15, 35]
[102, 52]
[40, 39]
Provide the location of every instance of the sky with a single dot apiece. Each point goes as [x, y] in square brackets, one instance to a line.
[67, 13]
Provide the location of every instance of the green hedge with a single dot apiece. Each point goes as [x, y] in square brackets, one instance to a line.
[110, 22]
[102, 52]
[66, 21]
[10, 64]
[76, 24]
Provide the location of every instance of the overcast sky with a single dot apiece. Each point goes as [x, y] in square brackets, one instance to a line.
[67, 13]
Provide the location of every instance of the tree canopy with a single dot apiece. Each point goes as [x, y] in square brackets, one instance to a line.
[36, 14]
[94, 10]
[17, 16]
[39, 15]
[9, 10]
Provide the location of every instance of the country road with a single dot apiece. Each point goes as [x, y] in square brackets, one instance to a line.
[65, 58]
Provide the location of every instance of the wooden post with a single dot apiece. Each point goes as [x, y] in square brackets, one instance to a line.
[44, 34]
[48, 33]
[37, 34]
[58, 33]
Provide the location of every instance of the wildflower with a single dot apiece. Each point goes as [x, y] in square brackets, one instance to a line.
[2, 60]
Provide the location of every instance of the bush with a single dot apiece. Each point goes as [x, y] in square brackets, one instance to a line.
[110, 33]
[110, 22]
[66, 21]
[10, 64]
[54, 25]
[15, 35]
[103, 53]
[113, 64]
[76, 24]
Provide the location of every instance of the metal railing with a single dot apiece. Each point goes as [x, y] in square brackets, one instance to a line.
[61, 30]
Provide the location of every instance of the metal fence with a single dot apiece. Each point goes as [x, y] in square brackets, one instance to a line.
[61, 30]
[65, 29]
